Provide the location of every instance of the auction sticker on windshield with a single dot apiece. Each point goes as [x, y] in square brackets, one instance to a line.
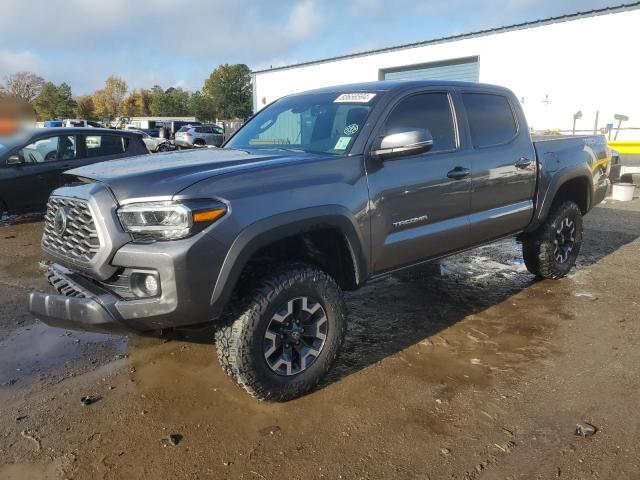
[342, 143]
[358, 97]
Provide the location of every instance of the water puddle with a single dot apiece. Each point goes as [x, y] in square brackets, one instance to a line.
[39, 352]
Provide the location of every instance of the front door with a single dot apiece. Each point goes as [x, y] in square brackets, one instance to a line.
[419, 203]
[43, 162]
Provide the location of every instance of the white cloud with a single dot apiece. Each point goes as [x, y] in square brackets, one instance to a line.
[305, 19]
[187, 27]
[11, 62]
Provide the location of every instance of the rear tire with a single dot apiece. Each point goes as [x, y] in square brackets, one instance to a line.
[287, 334]
[552, 250]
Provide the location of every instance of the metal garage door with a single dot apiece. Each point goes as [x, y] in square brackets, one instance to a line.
[462, 69]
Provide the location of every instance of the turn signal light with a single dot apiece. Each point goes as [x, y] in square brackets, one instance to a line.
[208, 215]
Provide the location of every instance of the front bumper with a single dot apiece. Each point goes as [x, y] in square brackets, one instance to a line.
[187, 270]
[80, 308]
[74, 313]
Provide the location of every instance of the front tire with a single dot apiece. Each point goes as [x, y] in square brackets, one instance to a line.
[286, 336]
[552, 250]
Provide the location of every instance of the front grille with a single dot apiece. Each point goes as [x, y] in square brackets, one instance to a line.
[64, 285]
[78, 240]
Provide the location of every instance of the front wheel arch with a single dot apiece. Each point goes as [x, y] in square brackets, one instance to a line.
[279, 228]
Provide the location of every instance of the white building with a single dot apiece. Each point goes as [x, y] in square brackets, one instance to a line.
[585, 62]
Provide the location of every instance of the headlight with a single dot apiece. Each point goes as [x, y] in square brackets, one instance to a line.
[169, 220]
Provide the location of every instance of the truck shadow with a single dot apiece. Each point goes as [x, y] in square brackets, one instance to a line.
[390, 315]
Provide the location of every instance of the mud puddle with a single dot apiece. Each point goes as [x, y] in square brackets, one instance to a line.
[37, 352]
[20, 219]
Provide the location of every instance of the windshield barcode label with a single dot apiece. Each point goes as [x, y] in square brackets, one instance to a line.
[354, 98]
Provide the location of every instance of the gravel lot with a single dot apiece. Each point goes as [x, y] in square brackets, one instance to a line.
[467, 369]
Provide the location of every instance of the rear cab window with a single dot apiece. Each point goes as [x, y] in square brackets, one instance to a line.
[104, 145]
[491, 119]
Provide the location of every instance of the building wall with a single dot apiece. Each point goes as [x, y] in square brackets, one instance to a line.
[586, 64]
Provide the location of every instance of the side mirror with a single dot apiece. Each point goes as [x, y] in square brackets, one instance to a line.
[405, 141]
[14, 160]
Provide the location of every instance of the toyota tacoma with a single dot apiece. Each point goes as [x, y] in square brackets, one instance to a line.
[317, 193]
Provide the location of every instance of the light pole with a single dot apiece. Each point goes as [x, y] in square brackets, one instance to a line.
[576, 116]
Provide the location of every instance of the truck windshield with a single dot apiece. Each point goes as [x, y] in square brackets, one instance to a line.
[326, 123]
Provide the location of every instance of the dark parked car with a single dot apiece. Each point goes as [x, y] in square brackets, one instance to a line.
[31, 164]
[317, 193]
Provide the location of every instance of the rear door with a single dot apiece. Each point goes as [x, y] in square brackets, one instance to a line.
[504, 164]
[419, 203]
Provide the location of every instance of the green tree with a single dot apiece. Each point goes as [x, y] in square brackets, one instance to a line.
[229, 88]
[55, 102]
[202, 107]
[65, 104]
[45, 102]
[170, 102]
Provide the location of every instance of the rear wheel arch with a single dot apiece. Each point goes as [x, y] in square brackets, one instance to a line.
[575, 186]
[576, 190]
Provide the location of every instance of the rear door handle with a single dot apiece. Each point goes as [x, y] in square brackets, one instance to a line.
[523, 163]
[459, 173]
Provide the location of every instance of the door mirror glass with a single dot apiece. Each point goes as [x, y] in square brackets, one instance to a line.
[405, 141]
[14, 160]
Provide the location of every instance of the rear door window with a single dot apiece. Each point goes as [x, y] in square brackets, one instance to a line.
[104, 145]
[491, 119]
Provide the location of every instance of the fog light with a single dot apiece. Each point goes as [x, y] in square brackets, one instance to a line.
[151, 284]
[145, 283]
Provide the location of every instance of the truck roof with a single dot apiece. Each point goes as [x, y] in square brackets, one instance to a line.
[392, 85]
[42, 132]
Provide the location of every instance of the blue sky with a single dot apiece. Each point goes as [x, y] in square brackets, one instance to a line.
[179, 42]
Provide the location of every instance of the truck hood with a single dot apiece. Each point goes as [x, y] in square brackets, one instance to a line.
[166, 174]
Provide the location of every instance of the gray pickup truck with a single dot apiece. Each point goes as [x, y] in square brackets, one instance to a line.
[317, 193]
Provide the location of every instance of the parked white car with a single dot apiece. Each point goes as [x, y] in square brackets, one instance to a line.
[154, 144]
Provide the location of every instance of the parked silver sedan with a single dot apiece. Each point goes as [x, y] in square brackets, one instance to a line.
[199, 136]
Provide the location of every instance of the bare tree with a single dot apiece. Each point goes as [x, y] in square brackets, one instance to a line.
[24, 85]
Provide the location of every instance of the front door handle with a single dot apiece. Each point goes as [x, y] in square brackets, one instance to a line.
[523, 163]
[459, 173]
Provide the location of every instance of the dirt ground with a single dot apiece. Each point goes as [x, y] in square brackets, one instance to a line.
[468, 369]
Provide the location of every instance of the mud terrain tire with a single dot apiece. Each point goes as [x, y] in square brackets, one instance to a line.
[242, 341]
[551, 251]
